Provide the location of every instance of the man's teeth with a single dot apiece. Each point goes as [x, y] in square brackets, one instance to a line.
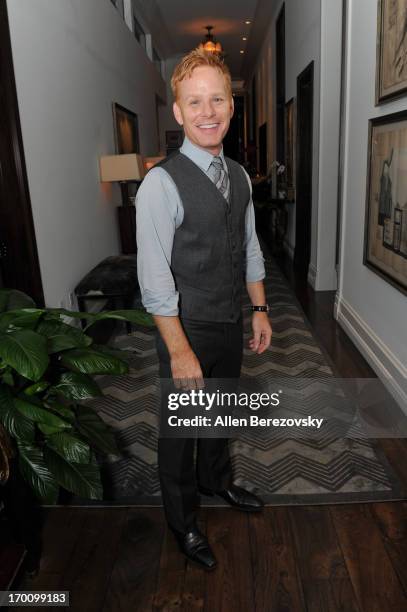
[210, 125]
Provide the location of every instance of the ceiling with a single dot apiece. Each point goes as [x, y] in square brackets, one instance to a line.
[185, 21]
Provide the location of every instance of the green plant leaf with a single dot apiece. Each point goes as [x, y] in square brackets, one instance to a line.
[48, 430]
[40, 415]
[26, 352]
[134, 316]
[76, 386]
[10, 299]
[63, 411]
[69, 447]
[62, 336]
[88, 361]
[37, 387]
[96, 431]
[17, 426]
[7, 377]
[78, 478]
[22, 318]
[36, 473]
[57, 313]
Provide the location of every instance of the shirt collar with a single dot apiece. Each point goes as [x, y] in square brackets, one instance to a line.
[199, 156]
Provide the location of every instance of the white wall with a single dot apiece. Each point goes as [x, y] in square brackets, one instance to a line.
[72, 59]
[313, 33]
[370, 309]
[302, 22]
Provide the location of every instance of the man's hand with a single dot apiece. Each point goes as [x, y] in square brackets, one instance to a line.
[261, 332]
[186, 370]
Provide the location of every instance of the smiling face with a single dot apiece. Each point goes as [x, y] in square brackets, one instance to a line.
[204, 107]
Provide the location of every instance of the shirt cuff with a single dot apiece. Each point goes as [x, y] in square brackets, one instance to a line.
[255, 270]
[160, 305]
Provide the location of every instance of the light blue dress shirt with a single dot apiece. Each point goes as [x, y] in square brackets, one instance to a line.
[159, 213]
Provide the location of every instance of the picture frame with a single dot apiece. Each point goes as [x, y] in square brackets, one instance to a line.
[391, 60]
[385, 240]
[126, 132]
[290, 132]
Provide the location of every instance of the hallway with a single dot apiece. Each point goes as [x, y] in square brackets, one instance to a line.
[307, 101]
[338, 557]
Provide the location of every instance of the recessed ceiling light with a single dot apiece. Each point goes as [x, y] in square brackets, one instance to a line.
[241, 51]
[247, 22]
[244, 38]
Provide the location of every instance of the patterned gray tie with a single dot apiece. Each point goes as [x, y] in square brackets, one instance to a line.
[219, 176]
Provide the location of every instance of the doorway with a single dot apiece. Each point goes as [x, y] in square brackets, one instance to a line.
[305, 103]
[280, 86]
[263, 149]
[19, 265]
[233, 144]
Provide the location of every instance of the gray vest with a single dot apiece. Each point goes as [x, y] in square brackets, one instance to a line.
[208, 255]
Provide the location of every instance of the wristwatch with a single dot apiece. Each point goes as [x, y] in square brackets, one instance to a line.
[264, 308]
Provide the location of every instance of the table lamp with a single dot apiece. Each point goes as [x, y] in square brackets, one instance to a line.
[124, 169]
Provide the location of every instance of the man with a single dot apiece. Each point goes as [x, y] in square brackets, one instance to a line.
[196, 243]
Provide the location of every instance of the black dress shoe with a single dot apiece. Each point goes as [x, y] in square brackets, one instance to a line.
[238, 498]
[196, 547]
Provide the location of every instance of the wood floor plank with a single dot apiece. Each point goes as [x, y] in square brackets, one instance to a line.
[325, 579]
[193, 595]
[373, 577]
[92, 559]
[11, 557]
[230, 585]
[59, 536]
[392, 521]
[168, 596]
[396, 453]
[277, 584]
[135, 573]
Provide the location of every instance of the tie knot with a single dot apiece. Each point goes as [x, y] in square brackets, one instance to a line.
[217, 162]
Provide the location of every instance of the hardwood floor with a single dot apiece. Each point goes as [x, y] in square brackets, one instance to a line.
[347, 558]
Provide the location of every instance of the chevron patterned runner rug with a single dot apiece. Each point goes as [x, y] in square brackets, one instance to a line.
[299, 470]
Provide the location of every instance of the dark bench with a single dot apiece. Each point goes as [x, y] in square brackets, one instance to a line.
[113, 279]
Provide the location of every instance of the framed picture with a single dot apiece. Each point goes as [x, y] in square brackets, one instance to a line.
[290, 148]
[125, 130]
[391, 64]
[385, 247]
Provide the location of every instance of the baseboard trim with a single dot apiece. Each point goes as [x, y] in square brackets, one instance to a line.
[386, 365]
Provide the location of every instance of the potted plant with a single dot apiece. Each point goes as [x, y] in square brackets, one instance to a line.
[47, 367]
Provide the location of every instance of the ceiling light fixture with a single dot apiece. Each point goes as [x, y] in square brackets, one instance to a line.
[209, 43]
[247, 22]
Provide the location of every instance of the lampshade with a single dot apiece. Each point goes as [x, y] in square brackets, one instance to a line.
[149, 162]
[121, 168]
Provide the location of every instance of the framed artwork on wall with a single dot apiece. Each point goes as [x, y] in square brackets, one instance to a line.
[125, 130]
[391, 64]
[290, 148]
[385, 245]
